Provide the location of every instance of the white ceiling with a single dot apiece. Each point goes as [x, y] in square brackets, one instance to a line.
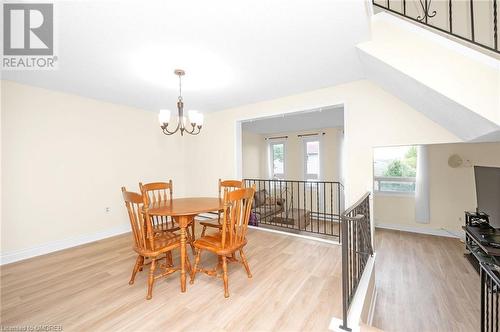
[327, 117]
[234, 52]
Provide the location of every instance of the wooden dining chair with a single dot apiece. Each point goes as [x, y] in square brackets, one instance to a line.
[149, 245]
[231, 185]
[159, 193]
[231, 238]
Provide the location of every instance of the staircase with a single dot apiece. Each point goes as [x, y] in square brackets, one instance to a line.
[453, 85]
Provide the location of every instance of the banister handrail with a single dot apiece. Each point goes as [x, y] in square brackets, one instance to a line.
[490, 294]
[356, 249]
[352, 207]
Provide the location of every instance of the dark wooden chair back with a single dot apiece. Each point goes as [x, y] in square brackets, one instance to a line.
[140, 227]
[237, 209]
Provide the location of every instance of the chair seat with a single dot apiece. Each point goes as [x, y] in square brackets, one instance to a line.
[211, 223]
[213, 243]
[165, 227]
[164, 241]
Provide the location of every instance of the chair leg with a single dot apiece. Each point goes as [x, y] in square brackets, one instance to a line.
[245, 263]
[138, 265]
[169, 259]
[219, 263]
[224, 276]
[151, 279]
[196, 263]
[190, 239]
[188, 264]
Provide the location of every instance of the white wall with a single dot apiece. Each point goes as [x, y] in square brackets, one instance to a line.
[452, 190]
[330, 154]
[65, 158]
[372, 118]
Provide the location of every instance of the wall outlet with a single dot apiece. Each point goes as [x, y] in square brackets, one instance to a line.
[107, 209]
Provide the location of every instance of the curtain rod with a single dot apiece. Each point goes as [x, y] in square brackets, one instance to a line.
[277, 137]
[312, 134]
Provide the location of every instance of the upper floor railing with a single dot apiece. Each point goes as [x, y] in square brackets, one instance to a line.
[298, 206]
[356, 250]
[474, 21]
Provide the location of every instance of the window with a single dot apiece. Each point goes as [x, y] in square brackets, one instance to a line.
[394, 169]
[311, 159]
[277, 159]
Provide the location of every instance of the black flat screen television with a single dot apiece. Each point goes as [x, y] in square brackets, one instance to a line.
[488, 192]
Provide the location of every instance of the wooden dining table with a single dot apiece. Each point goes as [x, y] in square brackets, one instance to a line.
[184, 210]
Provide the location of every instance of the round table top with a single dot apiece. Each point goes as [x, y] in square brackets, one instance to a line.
[187, 206]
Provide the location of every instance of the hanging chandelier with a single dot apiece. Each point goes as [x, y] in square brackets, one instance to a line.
[191, 124]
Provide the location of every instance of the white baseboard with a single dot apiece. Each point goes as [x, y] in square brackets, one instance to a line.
[421, 230]
[46, 248]
[296, 235]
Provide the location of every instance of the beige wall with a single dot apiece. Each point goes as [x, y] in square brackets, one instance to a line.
[64, 159]
[372, 118]
[253, 156]
[452, 190]
[330, 154]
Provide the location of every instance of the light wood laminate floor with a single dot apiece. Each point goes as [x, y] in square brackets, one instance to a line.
[296, 286]
[424, 283]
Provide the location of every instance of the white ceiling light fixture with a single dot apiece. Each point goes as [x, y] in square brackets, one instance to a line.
[194, 119]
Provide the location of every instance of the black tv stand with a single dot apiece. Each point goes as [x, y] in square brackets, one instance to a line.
[481, 240]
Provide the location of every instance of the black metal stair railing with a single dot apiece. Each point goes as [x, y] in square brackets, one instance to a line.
[356, 250]
[490, 293]
[474, 21]
[296, 206]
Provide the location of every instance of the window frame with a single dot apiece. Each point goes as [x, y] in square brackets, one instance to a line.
[305, 140]
[401, 179]
[378, 179]
[271, 158]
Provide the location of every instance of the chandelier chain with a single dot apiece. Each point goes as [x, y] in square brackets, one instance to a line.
[180, 87]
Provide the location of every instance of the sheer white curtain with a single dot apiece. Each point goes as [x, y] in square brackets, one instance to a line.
[422, 199]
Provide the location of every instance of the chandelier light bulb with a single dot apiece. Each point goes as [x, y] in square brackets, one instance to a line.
[193, 116]
[164, 116]
[200, 120]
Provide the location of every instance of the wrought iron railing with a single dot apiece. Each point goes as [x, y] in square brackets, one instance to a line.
[298, 206]
[356, 249]
[474, 21]
[490, 293]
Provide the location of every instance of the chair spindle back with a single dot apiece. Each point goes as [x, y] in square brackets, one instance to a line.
[237, 209]
[231, 185]
[156, 194]
[140, 227]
